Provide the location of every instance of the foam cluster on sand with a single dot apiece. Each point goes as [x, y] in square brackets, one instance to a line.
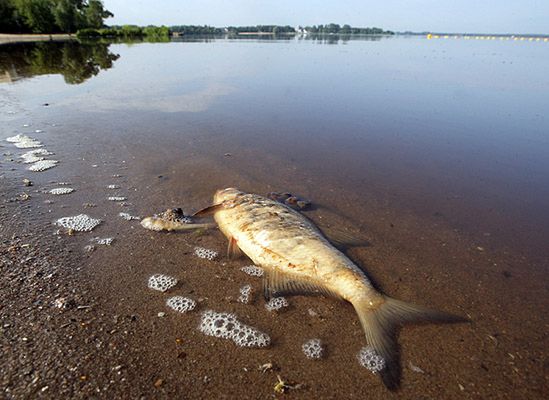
[161, 282]
[127, 216]
[34, 155]
[24, 142]
[61, 190]
[117, 198]
[16, 138]
[276, 303]
[227, 326]
[42, 165]
[252, 270]
[181, 304]
[245, 294]
[313, 349]
[78, 223]
[103, 241]
[208, 254]
[369, 359]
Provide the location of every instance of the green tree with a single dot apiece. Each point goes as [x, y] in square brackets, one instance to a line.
[7, 16]
[37, 14]
[95, 14]
[67, 15]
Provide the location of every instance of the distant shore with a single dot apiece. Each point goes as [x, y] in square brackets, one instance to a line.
[33, 37]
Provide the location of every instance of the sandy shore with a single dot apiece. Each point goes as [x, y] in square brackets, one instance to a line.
[80, 324]
[16, 38]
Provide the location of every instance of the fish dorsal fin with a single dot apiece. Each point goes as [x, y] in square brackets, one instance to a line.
[233, 251]
[276, 284]
[210, 210]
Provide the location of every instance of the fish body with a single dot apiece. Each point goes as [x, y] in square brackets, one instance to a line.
[286, 244]
[298, 259]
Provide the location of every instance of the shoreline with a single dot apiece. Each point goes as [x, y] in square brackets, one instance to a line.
[34, 37]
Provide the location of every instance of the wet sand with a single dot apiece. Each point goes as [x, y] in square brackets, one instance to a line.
[108, 340]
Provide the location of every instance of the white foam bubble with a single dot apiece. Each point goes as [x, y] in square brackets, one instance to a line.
[227, 326]
[117, 198]
[313, 349]
[245, 294]
[252, 270]
[127, 216]
[79, 223]
[370, 359]
[61, 190]
[181, 304]
[24, 142]
[42, 165]
[208, 254]
[276, 303]
[17, 138]
[34, 156]
[103, 241]
[161, 282]
[113, 187]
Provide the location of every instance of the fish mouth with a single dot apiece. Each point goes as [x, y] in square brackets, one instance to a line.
[225, 194]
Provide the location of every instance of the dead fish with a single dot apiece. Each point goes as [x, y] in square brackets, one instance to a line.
[298, 259]
[172, 220]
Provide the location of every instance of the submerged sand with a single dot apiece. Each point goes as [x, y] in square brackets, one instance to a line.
[83, 324]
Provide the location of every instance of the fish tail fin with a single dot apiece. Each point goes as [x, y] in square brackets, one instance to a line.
[381, 324]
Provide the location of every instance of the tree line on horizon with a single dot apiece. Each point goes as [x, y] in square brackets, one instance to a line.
[51, 16]
[87, 18]
[345, 29]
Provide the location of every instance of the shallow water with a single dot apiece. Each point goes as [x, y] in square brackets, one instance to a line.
[456, 128]
[435, 151]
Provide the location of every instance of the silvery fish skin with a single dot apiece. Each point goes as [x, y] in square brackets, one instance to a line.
[298, 259]
[278, 238]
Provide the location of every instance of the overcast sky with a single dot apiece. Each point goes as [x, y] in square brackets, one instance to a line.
[491, 16]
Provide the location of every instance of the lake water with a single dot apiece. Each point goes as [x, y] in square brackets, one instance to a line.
[454, 127]
[437, 150]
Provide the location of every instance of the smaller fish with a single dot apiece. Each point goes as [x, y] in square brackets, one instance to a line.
[172, 220]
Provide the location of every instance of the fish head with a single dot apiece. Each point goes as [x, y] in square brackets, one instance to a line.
[228, 194]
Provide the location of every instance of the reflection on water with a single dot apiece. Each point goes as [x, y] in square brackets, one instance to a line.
[77, 62]
[453, 128]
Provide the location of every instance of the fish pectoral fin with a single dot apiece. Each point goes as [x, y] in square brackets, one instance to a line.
[210, 210]
[276, 284]
[233, 251]
[342, 238]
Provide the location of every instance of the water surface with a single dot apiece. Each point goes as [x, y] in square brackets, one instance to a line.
[436, 151]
